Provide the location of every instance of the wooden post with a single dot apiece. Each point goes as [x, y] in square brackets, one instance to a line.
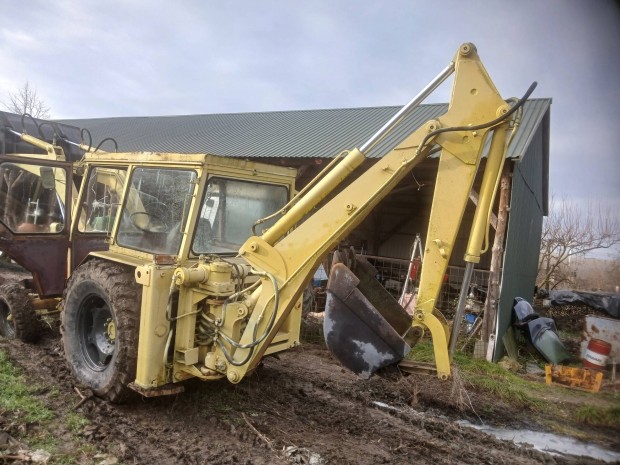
[497, 253]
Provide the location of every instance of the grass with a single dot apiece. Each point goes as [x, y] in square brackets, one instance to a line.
[75, 422]
[598, 416]
[487, 377]
[18, 400]
[18, 397]
[566, 418]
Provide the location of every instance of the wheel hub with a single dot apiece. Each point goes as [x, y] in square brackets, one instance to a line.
[110, 331]
[97, 330]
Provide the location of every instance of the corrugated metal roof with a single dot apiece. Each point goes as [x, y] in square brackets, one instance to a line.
[38, 128]
[281, 134]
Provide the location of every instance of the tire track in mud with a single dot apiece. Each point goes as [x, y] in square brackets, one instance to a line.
[303, 401]
[146, 431]
[352, 431]
[160, 439]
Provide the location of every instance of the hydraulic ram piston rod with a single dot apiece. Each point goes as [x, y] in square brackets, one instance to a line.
[404, 111]
[348, 164]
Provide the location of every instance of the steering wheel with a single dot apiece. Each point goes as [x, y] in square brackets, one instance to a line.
[154, 223]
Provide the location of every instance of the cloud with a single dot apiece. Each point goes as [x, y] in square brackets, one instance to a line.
[117, 58]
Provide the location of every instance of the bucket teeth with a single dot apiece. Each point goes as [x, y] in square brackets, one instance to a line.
[363, 323]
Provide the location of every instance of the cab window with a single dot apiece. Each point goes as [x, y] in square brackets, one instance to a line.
[101, 199]
[31, 198]
[229, 209]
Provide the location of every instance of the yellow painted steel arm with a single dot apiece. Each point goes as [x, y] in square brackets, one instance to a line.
[53, 151]
[292, 258]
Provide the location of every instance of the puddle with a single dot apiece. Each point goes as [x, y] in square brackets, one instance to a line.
[548, 442]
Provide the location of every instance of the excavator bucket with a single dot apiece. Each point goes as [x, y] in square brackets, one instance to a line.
[363, 324]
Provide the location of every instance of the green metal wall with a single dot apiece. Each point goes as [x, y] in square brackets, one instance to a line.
[528, 205]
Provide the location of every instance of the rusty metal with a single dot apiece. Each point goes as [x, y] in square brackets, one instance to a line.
[45, 304]
[165, 390]
[419, 368]
[83, 244]
[164, 259]
[45, 256]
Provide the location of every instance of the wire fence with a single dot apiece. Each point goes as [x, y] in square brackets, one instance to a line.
[392, 273]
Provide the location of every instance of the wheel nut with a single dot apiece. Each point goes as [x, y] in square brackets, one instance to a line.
[110, 330]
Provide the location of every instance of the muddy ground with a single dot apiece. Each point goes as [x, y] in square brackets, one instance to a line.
[300, 407]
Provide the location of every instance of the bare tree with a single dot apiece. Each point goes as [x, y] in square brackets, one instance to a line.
[571, 231]
[26, 100]
[596, 274]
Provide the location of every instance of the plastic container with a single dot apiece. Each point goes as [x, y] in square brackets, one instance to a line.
[470, 321]
[596, 354]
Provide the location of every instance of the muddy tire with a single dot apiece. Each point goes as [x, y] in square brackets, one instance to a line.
[18, 318]
[100, 323]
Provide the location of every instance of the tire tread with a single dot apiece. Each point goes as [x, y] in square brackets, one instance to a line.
[26, 322]
[125, 297]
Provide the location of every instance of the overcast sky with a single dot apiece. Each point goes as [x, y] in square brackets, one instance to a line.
[140, 58]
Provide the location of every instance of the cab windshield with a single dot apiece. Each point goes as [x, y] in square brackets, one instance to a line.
[155, 210]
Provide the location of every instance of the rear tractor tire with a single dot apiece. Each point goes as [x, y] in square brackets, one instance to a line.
[18, 318]
[100, 324]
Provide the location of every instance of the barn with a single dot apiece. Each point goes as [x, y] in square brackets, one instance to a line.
[309, 139]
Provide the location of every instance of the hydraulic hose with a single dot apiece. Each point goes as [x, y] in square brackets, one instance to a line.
[489, 124]
[255, 340]
[105, 140]
[272, 318]
[90, 138]
[33, 120]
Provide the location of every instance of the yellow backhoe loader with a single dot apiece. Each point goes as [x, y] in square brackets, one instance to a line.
[175, 266]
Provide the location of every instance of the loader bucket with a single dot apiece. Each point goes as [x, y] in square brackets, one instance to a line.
[363, 323]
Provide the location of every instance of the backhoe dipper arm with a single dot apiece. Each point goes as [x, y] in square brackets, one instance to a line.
[286, 261]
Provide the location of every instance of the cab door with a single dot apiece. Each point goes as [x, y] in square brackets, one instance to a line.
[96, 210]
[35, 218]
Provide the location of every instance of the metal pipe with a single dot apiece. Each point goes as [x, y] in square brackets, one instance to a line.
[417, 243]
[460, 308]
[404, 111]
[13, 131]
[45, 304]
[75, 144]
[29, 139]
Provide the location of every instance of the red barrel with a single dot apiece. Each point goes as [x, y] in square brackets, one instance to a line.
[596, 354]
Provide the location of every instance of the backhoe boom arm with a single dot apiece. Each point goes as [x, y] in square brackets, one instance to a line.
[289, 260]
